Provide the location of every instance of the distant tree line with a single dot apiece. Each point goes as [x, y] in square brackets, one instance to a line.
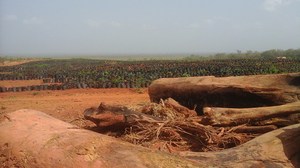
[269, 54]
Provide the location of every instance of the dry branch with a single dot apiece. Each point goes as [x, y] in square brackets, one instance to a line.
[236, 116]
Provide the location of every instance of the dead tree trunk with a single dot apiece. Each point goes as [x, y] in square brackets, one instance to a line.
[236, 116]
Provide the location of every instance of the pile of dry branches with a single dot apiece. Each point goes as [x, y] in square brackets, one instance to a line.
[168, 126]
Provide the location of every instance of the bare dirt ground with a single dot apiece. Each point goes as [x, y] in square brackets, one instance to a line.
[69, 105]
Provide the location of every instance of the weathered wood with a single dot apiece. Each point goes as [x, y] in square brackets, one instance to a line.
[280, 121]
[254, 129]
[172, 104]
[229, 92]
[111, 115]
[235, 116]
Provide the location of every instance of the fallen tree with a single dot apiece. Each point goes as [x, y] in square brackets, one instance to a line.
[30, 138]
[228, 92]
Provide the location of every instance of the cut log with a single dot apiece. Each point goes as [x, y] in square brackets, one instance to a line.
[235, 116]
[229, 92]
[33, 139]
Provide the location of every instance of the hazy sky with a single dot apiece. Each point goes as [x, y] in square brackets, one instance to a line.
[85, 27]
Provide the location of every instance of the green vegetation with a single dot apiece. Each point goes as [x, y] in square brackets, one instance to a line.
[41, 65]
[186, 75]
[83, 73]
[269, 54]
[273, 69]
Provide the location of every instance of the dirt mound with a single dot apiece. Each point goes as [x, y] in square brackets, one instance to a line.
[30, 138]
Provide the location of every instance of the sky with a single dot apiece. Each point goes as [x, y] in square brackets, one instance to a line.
[104, 27]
